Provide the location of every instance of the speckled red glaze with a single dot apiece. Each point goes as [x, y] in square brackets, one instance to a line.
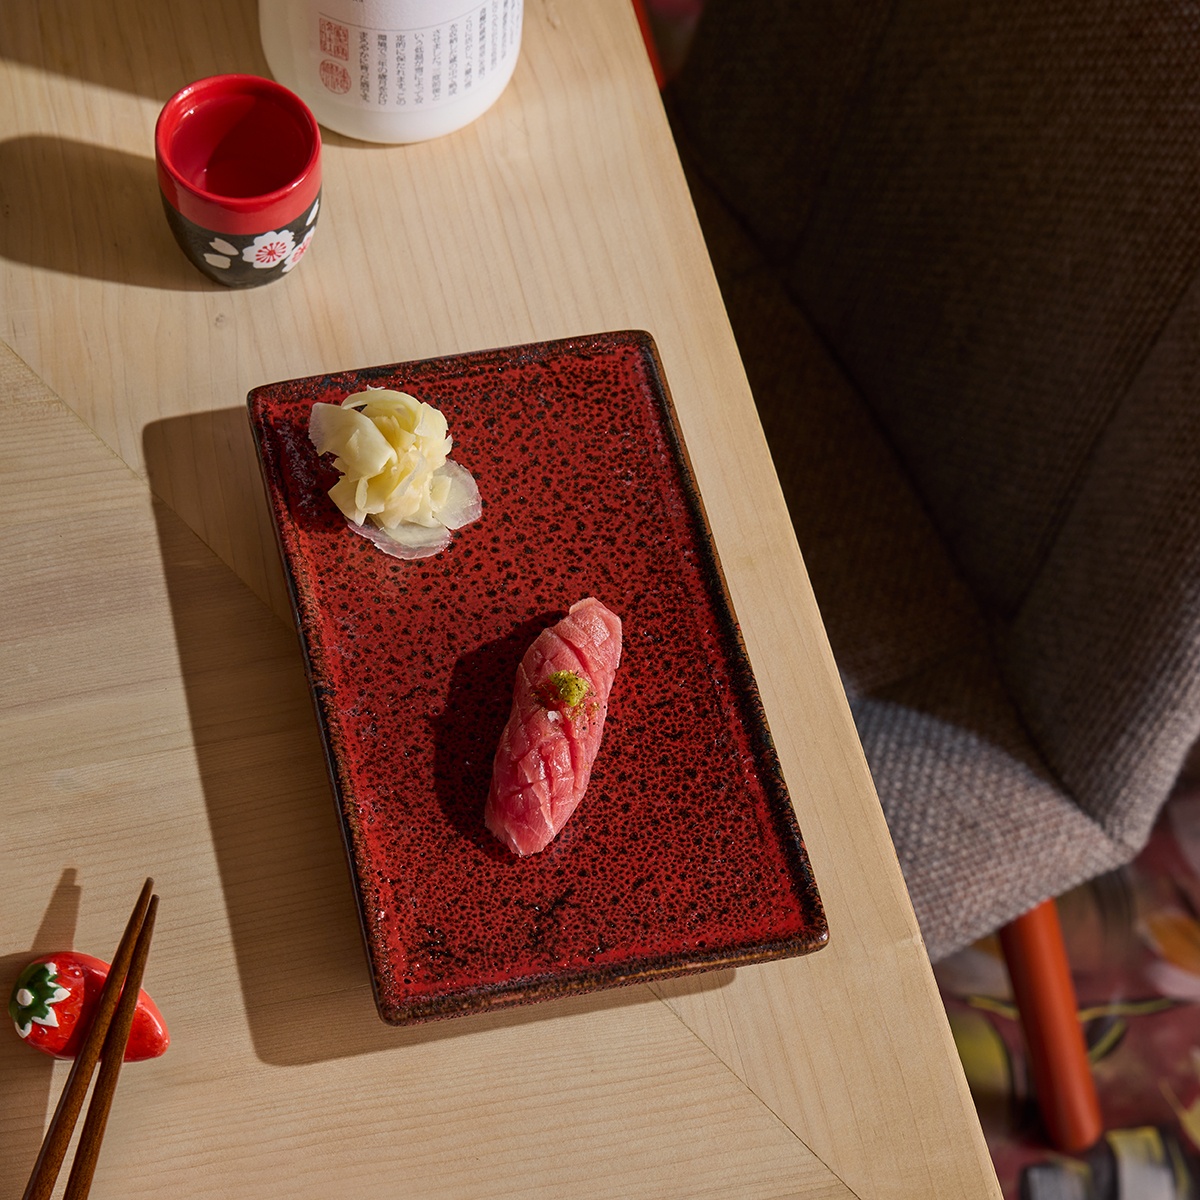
[684, 854]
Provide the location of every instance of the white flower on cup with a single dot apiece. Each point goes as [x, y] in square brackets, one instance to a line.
[269, 249]
[312, 216]
[297, 254]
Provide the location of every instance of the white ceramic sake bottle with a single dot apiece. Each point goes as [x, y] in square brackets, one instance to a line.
[393, 70]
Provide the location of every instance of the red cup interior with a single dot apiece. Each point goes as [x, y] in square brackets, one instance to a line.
[238, 153]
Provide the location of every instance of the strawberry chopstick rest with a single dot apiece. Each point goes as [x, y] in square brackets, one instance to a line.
[55, 997]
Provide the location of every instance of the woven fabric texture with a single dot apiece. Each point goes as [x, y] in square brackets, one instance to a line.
[764, 95]
[1104, 653]
[980, 825]
[964, 292]
[1011, 215]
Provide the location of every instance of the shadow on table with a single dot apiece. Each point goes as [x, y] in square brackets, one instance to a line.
[87, 210]
[26, 1075]
[277, 840]
[141, 47]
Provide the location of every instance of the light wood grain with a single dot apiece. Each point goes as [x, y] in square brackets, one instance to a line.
[154, 717]
[258, 960]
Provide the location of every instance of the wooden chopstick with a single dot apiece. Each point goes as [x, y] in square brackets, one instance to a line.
[62, 1125]
[87, 1153]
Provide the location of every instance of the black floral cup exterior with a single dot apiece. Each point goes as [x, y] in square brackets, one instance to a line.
[239, 171]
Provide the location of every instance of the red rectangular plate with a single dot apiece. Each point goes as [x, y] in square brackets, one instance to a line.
[684, 854]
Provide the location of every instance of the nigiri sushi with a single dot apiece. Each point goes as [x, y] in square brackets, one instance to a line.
[545, 756]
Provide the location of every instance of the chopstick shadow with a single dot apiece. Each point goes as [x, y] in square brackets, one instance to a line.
[26, 1076]
[278, 844]
[49, 216]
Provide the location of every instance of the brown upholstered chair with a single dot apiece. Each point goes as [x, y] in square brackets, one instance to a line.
[959, 244]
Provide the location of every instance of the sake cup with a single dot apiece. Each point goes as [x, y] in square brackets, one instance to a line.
[239, 171]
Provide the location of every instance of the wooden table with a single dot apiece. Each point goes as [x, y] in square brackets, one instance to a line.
[155, 718]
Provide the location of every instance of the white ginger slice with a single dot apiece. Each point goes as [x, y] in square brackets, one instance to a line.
[456, 503]
[360, 448]
[406, 541]
[462, 503]
[405, 421]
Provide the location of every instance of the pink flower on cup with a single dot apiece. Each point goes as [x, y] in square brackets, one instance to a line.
[297, 254]
[269, 249]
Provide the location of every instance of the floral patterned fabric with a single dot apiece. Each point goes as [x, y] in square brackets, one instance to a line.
[1133, 938]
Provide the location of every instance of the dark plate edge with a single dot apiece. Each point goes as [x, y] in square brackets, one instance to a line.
[745, 681]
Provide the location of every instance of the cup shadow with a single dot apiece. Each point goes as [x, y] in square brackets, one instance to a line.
[26, 1075]
[50, 217]
[276, 836]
